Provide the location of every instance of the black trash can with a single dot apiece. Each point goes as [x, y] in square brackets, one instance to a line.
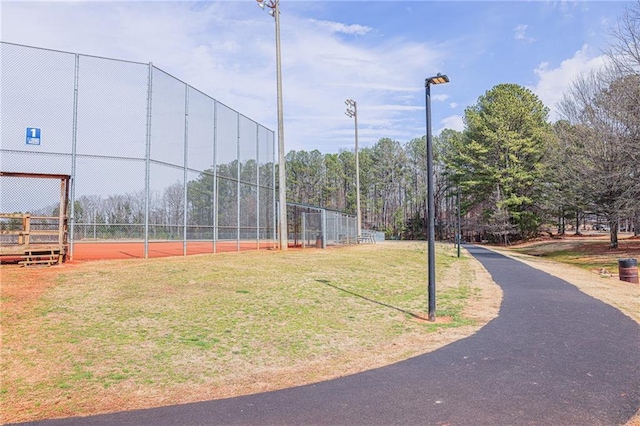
[628, 270]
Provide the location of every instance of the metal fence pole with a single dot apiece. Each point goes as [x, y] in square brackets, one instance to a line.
[74, 144]
[185, 166]
[147, 171]
[324, 228]
[215, 176]
[258, 186]
[273, 190]
[238, 182]
[304, 229]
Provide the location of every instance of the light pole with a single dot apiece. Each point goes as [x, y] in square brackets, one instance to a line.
[438, 79]
[352, 111]
[458, 224]
[274, 5]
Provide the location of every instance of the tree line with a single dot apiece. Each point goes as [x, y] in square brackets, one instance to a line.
[516, 173]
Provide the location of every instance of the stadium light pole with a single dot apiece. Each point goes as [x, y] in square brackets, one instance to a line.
[274, 6]
[352, 111]
[438, 79]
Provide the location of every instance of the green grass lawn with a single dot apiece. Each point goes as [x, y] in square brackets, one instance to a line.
[145, 327]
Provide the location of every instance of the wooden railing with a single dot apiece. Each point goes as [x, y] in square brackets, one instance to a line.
[25, 232]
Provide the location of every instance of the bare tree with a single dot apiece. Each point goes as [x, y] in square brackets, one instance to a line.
[173, 198]
[624, 55]
[604, 116]
[624, 48]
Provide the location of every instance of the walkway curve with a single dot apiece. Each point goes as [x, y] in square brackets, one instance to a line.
[553, 356]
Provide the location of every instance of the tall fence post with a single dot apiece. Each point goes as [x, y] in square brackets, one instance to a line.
[147, 167]
[215, 176]
[324, 228]
[304, 229]
[74, 144]
[258, 186]
[185, 167]
[274, 213]
[238, 181]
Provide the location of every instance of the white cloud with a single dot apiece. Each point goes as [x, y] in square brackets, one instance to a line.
[338, 27]
[453, 105]
[554, 81]
[520, 31]
[440, 97]
[388, 108]
[453, 122]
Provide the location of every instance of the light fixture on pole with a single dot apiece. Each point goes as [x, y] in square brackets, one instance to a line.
[438, 79]
[352, 111]
[274, 6]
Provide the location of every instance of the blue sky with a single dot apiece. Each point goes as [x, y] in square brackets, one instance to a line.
[375, 52]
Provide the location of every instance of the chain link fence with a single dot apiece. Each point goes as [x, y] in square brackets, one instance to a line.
[311, 226]
[150, 157]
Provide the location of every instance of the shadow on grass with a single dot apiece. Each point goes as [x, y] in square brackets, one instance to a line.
[328, 283]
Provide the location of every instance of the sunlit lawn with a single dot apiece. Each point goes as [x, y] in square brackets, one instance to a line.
[149, 327]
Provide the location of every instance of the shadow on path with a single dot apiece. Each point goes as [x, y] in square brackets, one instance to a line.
[554, 356]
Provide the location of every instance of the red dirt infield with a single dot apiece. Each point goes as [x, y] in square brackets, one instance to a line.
[135, 250]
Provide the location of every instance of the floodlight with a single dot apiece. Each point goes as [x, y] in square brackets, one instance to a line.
[438, 79]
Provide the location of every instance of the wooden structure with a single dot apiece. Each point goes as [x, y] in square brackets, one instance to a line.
[21, 233]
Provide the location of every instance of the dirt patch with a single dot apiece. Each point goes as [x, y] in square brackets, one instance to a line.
[20, 287]
[590, 244]
[424, 318]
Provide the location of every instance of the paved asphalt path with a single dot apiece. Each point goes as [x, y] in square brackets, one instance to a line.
[554, 356]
